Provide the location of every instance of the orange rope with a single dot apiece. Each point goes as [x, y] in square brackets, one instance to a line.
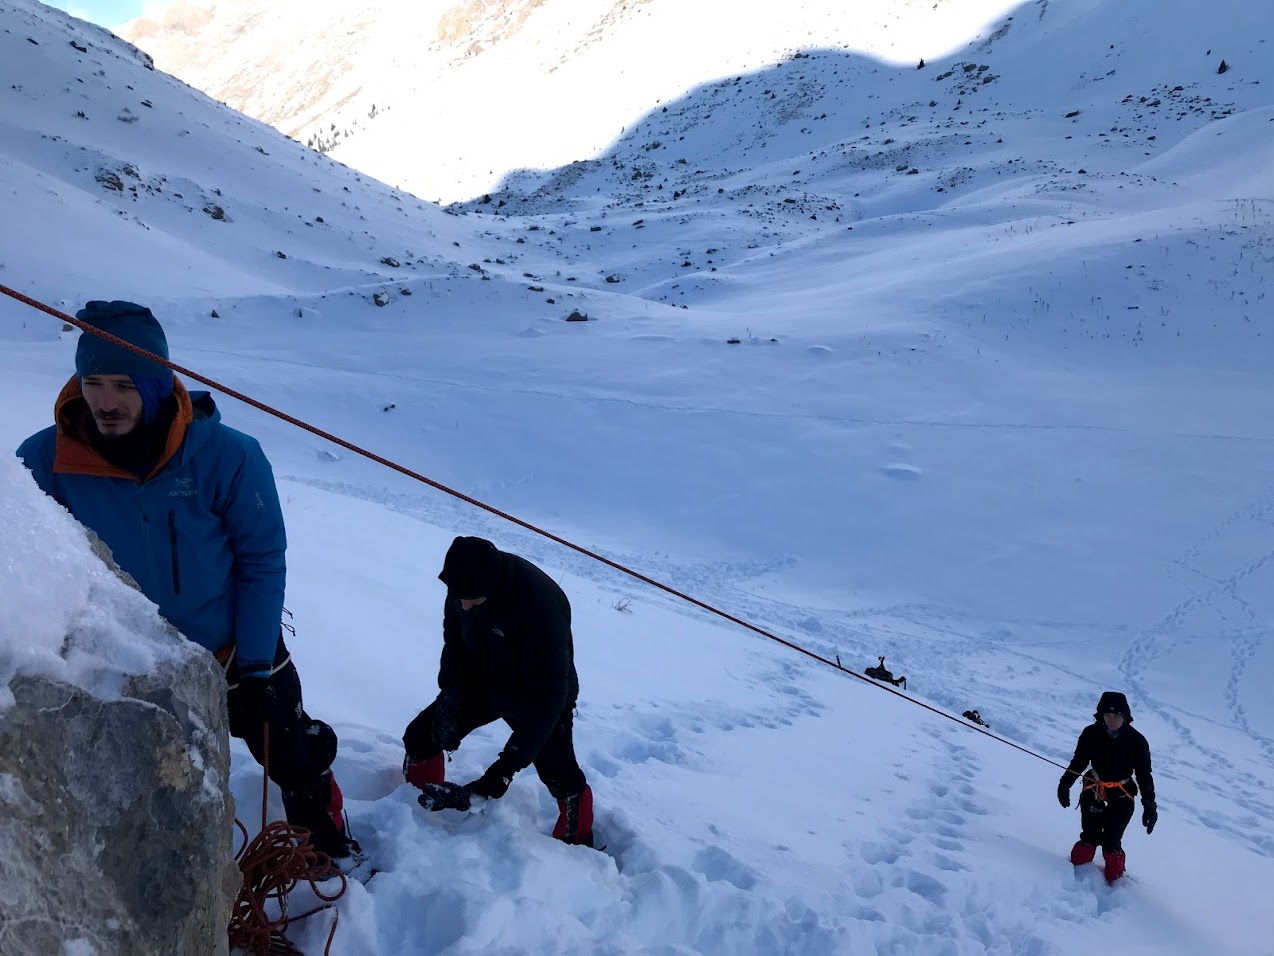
[276, 860]
[1103, 789]
[84, 326]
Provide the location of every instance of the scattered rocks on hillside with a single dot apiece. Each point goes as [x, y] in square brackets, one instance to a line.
[390, 261]
[577, 317]
[380, 299]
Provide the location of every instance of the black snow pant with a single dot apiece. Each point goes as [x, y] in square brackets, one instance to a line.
[556, 764]
[1103, 825]
[301, 748]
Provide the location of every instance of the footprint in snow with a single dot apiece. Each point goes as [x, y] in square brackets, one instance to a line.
[902, 472]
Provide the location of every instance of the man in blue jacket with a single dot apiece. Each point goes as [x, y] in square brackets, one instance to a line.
[189, 508]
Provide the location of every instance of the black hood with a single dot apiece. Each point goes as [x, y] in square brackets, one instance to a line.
[1113, 702]
[473, 568]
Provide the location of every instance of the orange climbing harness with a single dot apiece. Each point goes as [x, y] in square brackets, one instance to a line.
[1104, 789]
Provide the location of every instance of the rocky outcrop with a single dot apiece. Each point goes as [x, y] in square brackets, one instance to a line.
[115, 815]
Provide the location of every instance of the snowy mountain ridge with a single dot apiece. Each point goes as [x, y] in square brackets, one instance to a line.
[483, 78]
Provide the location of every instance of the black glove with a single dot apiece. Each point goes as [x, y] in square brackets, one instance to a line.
[1064, 792]
[444, 796]
[446, 723]
[494, 783]
[1149, 817]
[258, 699]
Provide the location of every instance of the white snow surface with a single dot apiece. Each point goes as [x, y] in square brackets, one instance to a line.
[1011, 430]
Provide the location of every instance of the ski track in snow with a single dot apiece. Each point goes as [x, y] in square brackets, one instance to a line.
[565, 396]
[1247, 789]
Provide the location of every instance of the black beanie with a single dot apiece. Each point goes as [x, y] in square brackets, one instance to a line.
[472, 568]
[1113, 702]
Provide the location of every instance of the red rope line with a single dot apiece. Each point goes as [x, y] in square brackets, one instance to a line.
[507, 517]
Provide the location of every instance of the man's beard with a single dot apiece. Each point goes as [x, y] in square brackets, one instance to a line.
[114, 435]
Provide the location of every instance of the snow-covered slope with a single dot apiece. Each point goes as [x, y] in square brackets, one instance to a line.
[1011, 430]
[205, 197]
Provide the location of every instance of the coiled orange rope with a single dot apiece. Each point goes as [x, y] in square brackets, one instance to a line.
[273, 863]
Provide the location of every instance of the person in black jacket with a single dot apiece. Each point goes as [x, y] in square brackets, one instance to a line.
[507, 653]
[1117, 754]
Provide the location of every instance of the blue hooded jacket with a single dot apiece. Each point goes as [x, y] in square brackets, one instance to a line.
[202, 535]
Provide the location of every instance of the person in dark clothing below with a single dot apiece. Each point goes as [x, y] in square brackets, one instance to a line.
[189, 508]
[1113, 753]
[507, 653]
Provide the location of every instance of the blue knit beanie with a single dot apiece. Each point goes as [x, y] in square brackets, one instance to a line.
[132, 323]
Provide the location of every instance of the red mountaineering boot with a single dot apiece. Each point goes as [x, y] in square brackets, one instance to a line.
[1082, 853]
[319, 806]
[1114, 865]
[575, 818]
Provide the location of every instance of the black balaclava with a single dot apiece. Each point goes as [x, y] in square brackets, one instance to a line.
[473, 568]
